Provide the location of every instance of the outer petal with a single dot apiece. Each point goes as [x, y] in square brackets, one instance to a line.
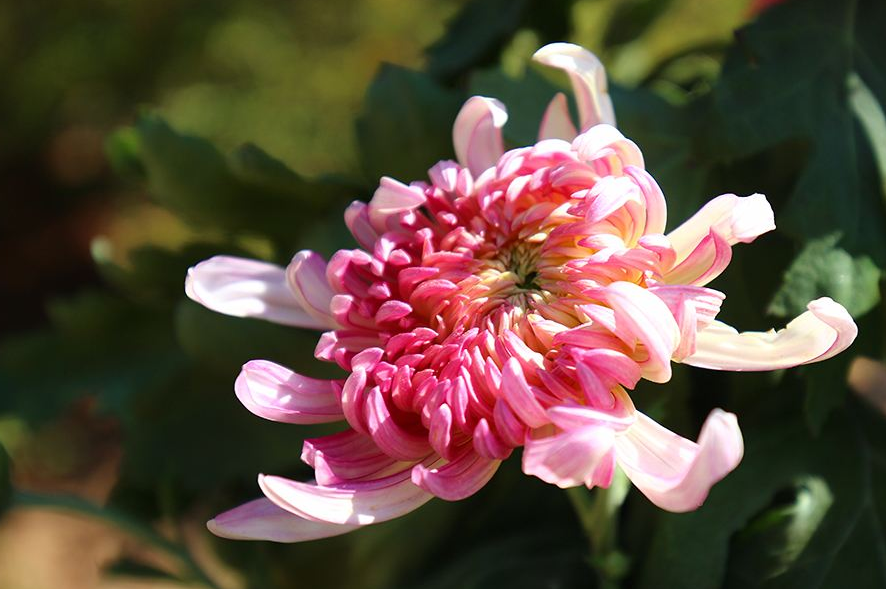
[279, 394]
[262, 520]
[588, 79]
[476, 134]
[825, 330]
[556, 122]
[674, 473]
[572, 457]
[352, 503]
[734, 218]
[247, 288]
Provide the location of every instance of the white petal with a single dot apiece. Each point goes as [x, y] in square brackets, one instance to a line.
[823, 331]
[734, 218]
[262, 520]
[673, 472]
[247, 288]
[588, 79]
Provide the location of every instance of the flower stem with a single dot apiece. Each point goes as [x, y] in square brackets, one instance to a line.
[598, 514]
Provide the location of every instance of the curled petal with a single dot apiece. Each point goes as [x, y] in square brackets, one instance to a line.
[359, 503]
[477, 133]
[247, 288]
[306, 276]
[825, 330]
[673, 472]
[458, 479]
[393, 197]
[647, 318]
[588, 79]
[707, 261]
[260, 519]
[606, 143]
[556, 122]
[279, 394]
[734, 218]
[580, 456]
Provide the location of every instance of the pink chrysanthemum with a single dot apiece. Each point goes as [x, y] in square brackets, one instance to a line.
[511, 300]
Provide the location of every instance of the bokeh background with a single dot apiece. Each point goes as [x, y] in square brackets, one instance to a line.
[138, 137]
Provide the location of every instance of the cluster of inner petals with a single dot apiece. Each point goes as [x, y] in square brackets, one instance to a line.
[510, 300]
[477, 304]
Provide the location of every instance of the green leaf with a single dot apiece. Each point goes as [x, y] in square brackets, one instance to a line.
[475, 35]
[806, 544]
[406, 125]
[790, 76]
[824, 269]
[250, 192]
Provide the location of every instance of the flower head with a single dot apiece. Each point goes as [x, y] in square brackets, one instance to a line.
[510, 300]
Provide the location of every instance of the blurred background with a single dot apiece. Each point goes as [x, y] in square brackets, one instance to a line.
[138, 137]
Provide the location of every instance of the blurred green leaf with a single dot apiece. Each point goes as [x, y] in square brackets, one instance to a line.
[475, 35]
[406, 124]
[788, 75]
[824, 269]
[250, 192]
[631, 18]
[123, 151]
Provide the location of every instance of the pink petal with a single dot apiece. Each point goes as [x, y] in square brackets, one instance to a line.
[603, 141]
[477, 133]
[519, 395]
[647, 318]
[395, 441]
[573, 457]
[707, 261]
[279, 394]
[247, 288]
[556, 122]
[825, 330]
[734, 218]
[393, 197]
[588, 79]
[306, 276]
[359, 503]
[348, 456]
[458, 479]
[260, 519]
[673, 472]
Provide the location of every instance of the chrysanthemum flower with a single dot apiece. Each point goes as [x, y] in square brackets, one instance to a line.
[510, 300]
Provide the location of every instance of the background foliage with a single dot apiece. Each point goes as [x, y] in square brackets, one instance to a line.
[265, 120]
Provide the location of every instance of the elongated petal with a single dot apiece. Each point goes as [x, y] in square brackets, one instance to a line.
[734, 218]
[247, 288]
[707, 261]
[556, 122]
[306, 276]
[673, 472]
[477, 133]
[519, 396]
[825, 330]
[279, 394]
[572, 457]
[458, 479]
[260, 519]
[588, 79]
[360, 503]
